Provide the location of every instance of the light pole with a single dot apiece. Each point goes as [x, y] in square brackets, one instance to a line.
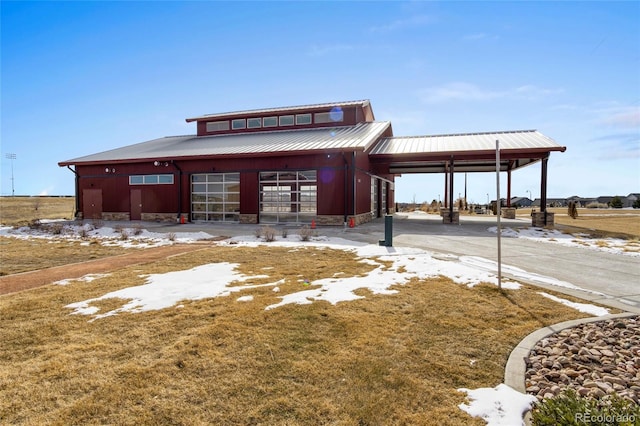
[11, 157]
[530, 195]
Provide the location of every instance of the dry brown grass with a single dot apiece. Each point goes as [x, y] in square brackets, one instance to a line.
[18, 255]
[23, 210]
[381, 360]
[599, 223]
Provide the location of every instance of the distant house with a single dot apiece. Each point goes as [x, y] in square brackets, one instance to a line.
[630, 199]
[521, 202]
[551, 202]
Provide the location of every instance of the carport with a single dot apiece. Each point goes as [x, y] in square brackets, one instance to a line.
[468, 153]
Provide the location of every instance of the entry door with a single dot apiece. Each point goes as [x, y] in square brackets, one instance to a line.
[135, 210]
[92, 203]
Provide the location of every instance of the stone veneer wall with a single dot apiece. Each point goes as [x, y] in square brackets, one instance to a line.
[158, 217]
[537, 219]
[249, 218]
[332, 220]
[115, 216]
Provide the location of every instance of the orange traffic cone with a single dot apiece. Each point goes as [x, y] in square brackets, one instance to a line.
[313, 224]
[352, 223]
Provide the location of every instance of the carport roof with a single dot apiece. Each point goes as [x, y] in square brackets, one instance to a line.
[470, 152]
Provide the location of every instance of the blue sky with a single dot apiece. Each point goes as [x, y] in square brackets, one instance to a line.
[84, 77]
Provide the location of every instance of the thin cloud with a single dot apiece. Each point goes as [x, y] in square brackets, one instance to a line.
[462, 91]
[329, 49]
[401, 24]
[617, 146]
[480, 36]
[627, 118]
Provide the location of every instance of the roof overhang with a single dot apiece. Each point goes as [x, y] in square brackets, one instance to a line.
[467, 152]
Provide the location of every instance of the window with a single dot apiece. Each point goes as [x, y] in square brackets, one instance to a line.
[336, 115]
[270, 122]
[254, 123]
[151, 180]
[239, 123]
[216, 126]
[215, 197]
[303, 119]
[286, 120]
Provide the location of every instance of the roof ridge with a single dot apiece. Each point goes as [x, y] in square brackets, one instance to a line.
[463, 134]
[285, 108]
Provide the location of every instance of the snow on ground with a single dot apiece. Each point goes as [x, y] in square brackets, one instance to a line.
[214, 280]
[499, 406]
[582, 307]
[609, 245]
[127, 237]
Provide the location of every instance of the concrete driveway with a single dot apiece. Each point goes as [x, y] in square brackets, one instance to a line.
[608, 279]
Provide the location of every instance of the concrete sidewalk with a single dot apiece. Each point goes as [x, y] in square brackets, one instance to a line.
[609, 279]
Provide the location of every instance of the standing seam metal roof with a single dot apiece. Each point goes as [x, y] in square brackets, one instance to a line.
[360, 136]
[520, 140]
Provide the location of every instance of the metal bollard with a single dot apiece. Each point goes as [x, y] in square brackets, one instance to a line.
[388, 232]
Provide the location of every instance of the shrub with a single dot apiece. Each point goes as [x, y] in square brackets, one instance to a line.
[569, 408]
[636, 204]
[596, 205]
[573, 210]
[97, 223]
[124, 235]
[35, 224]
[268, 233]
[55, 228]
[171, 236]
[258, 232]
[284, 232]
[305, 233]
[137, 229]
[616, 203]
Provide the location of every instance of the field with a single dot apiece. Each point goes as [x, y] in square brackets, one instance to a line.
[23, 210]
[620, 223]
[383, 359]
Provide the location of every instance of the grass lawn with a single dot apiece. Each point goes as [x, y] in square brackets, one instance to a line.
[384, 359]
[23, 210]
[599, 223]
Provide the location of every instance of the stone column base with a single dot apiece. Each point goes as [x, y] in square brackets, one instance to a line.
[508, 212]
[537, 219]
[450, 218]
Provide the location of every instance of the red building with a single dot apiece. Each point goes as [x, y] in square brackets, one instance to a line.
[322, 162]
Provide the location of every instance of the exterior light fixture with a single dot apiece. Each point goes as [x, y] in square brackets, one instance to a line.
[161, 163]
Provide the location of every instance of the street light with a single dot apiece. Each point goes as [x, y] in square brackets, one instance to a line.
[11, 157]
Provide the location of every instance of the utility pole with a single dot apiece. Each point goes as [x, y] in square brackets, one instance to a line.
[11, 157]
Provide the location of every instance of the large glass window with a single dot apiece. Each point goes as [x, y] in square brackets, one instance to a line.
[215, 197]
[288, 196]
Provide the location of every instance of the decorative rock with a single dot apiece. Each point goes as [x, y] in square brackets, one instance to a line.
[594, 359]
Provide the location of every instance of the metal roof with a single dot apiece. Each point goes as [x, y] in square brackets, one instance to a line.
[297, 108]
[465, 142]
[470, 152]
[360, 136]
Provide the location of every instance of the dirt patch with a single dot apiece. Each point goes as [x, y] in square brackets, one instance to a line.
[27, 280]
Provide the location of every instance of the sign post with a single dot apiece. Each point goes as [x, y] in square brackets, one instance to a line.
[499, 213]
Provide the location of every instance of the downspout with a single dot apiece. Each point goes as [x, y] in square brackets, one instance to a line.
[353, 165]
[179, 189]
[77, 189]
[346, 185]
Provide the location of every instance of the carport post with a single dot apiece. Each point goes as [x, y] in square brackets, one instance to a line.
[451, 191]
[543, 189]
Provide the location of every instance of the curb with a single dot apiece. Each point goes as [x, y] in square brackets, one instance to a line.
[516, 368]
